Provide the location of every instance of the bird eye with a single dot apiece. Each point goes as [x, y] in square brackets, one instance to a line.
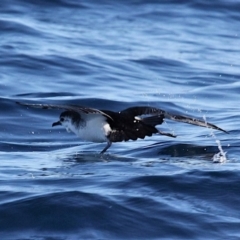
[61, 119]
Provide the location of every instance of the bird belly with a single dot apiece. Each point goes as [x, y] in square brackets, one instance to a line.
[95, 130]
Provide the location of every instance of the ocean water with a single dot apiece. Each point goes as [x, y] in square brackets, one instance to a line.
[181, 56]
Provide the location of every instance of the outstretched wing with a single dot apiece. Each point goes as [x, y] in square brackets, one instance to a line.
[193, 121]
[74, 108]
[139, 122]
[158, 114]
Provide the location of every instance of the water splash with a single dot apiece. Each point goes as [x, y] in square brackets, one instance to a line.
[221, 156]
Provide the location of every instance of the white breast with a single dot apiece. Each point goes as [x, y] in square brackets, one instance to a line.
[95, 128]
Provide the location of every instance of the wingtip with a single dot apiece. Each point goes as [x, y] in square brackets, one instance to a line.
[217, 128]
[224, 130]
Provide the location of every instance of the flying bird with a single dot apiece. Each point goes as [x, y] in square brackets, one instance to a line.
[99, 126]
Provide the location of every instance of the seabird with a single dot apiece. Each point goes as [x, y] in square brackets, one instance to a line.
[107, 126]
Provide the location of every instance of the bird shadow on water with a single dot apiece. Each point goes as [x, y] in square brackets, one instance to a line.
[188, 150]
[177, 152]
[87, 157]
[160, 152]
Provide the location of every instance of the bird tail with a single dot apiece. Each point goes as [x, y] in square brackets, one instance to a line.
[193, 121]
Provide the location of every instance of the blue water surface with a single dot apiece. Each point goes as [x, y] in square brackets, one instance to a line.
[180, 56]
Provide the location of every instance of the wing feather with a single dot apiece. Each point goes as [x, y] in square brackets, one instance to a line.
[159, 114]
[74, 108]
[144, 110]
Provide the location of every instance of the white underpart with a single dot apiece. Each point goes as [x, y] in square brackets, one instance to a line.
[95, 128]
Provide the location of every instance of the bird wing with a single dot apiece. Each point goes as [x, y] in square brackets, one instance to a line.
[193, 121]
[128, 125]
[74, 108]
[143, 110]
[148, 115]
[158, 114]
